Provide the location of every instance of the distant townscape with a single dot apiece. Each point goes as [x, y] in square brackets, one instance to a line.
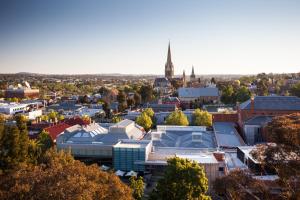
[150, 137]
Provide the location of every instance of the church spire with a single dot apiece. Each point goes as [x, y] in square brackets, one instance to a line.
[193, 76]
[169, 60]
[169, 68]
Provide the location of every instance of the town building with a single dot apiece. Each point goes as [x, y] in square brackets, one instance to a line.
[204, 95]
[255, 113]
[95, 141]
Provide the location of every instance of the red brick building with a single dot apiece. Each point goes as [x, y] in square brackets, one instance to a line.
[22, 93]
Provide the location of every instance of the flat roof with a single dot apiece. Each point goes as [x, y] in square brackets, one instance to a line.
[200, 158]
[227, 135]
[132, 144]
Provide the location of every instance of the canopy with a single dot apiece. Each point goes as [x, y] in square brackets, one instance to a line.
[119, 173]
[131, 173]
[104, 167]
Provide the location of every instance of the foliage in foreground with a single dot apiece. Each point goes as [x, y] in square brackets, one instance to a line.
[59, 176]
[183, 179]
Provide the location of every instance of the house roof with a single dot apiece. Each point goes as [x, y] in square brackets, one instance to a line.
[272, 103]
[198, 92]
[55, 130]
[259, 120]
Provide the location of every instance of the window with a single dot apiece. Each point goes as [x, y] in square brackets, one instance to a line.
[221, 169]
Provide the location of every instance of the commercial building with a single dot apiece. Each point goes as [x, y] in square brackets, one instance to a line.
[94, 141]
[22, 93]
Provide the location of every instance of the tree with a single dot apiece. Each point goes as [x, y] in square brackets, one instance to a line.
[52, 115]
[145, 121]
[213, 80]
[295, 90]
[243, 94]
[137, 99]
[45, 141]
[149, 112]
[130, 102]
[177, 118]
[10, 148]
[59, 176]
[282, 153]
[263, 87]
[146, 92]
[116, 119]
[137, 185]
[106, 108]
[201, 118]
[240, 185]
[182, 179]
[227, 96]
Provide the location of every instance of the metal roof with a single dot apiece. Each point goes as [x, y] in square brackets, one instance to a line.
[273, 103]
[259, 120]
[198, 92]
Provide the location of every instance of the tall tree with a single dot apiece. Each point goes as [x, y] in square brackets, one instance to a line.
[201, 118]
[45, 141]
[243, 94]
[146, 92]
[177, 118]
[182, 179]
[137, 99]
[295, 90]
[145, 121]
[137, 185]
[227, 96]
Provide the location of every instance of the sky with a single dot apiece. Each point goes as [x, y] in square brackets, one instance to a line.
[132, 36]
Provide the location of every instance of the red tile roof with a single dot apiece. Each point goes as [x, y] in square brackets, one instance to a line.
[55, 130]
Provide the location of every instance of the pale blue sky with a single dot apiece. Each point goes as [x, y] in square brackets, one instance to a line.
[119, 36]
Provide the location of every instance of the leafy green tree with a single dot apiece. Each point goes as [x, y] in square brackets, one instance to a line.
[201, 118]
[34, 151]
[145, 121]
[182, 179]
[177, 118]
[23, 137]
[263, 87]
[227, 96]
[149, 112]
[116, 119]
[137, 185]
[10, 148]
[52, 115]
[243, 94]
[61, 117]
[45, 141]
[295, 90]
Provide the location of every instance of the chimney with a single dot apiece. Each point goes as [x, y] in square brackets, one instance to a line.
[220, 156]
[252, 105]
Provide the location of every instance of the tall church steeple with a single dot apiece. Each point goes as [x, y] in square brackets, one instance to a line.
[183, 79]
[169, 68]
[193, 76]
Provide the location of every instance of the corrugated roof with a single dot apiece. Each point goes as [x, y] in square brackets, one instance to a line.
[198, 92]
[273, 103]
[259, 120]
